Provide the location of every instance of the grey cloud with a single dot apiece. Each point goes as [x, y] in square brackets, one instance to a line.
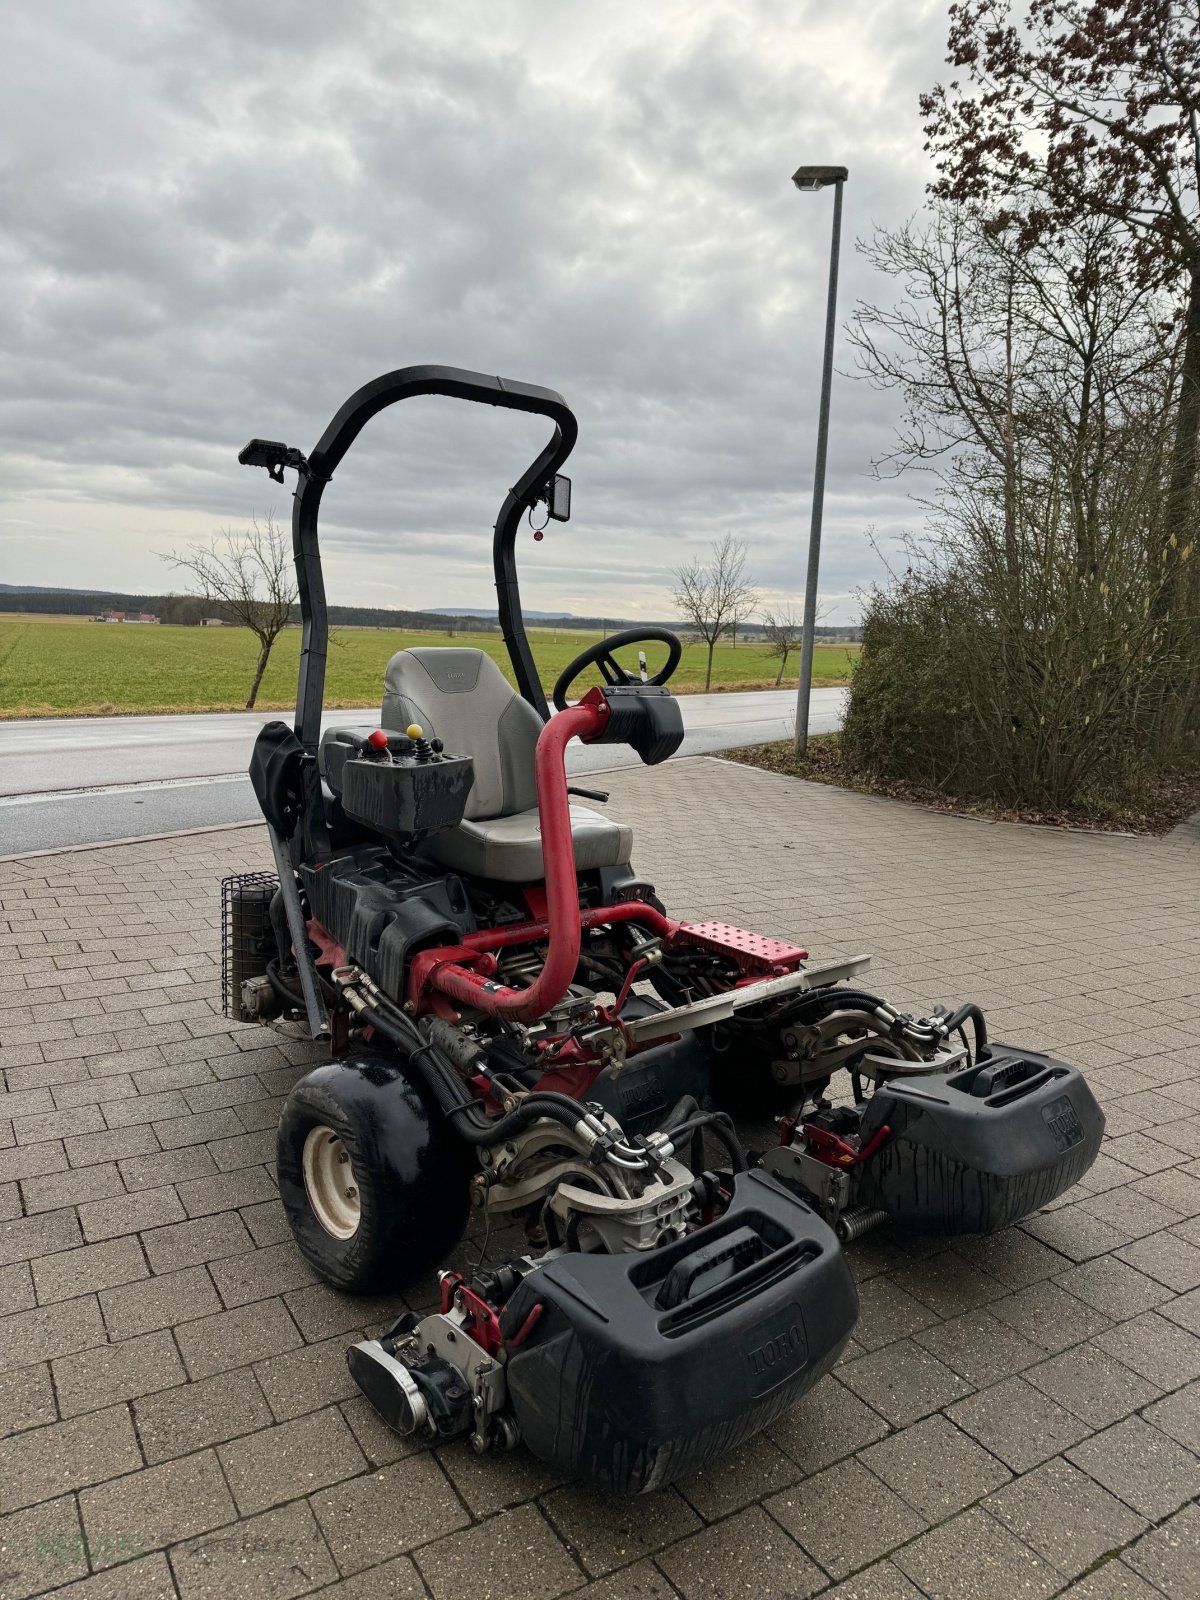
[223, 217]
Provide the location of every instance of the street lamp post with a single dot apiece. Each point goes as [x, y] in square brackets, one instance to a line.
[809, 180]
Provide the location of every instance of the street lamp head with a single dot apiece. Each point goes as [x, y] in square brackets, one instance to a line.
[810, 179]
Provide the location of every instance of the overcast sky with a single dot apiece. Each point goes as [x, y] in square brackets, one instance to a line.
[220, 217]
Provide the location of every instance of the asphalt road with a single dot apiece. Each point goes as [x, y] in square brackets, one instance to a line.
[82, 780]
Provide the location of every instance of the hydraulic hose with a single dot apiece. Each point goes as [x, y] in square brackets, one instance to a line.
[837, 999]
[465, 1112]
[968, 1012]
[468, 988]
[289, 996]
[721, 1128]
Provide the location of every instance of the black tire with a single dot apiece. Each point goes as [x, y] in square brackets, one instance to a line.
[410, 1171]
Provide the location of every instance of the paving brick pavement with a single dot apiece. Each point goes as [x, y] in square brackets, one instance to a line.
[1017, 1416]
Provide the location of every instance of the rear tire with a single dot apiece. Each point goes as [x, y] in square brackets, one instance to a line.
[373, 1181]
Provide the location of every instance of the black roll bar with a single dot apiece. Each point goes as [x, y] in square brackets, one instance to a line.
[403, 384]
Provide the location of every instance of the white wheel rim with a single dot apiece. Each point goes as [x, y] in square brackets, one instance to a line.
[330, 1182]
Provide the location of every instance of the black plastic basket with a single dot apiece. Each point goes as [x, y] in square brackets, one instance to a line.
[247, 939]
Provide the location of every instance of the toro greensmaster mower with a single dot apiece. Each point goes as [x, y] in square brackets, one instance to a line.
[516, 1023]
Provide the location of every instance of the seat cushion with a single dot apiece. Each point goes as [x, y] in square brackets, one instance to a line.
[461, 697]
[510, 848]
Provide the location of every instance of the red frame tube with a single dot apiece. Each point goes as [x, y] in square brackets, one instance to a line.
[530, 932]
[563, 924]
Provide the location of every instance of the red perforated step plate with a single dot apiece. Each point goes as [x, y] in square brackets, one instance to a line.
[753, 952]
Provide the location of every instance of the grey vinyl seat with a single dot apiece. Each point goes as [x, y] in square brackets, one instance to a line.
[461, 697]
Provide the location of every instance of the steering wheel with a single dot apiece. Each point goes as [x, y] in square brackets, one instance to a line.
[601, 655]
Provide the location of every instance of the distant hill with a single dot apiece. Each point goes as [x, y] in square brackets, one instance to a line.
[565, 617]
[38, 588]
[188, 609]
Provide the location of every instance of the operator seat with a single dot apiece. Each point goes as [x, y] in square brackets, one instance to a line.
[461, 697]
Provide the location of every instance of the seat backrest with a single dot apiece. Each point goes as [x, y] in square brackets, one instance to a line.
[462, 698]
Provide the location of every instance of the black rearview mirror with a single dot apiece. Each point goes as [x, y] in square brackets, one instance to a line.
[560, 498]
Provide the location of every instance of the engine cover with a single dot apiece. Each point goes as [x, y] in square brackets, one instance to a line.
[645, 1366]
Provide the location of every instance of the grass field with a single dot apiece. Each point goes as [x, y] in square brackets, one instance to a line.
[65, 666]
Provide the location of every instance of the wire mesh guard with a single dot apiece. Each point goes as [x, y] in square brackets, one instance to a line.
[247, 940]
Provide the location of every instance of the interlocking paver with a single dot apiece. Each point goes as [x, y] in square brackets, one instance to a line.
[53, 1330]
[936, 1467]
[41, 1548]
[194, 1415]
[1049, 1317]
[233, 1338]
[607, 1532]
[64, 1275]
[829, 1423]
[261, 1273]
[71, 1188]
[1178, 1415]
[1068, 1325]
[887, 1312]
[92, 1379]
[149, 1208]
[1170, 1556]
[25, 1238]
[185, 1244]
[160, 1302]
[375, 1439]
[148, 1578]
[1113, 1287]
[1018, 1423]
[974, 1558]
[1168, 1259]
[155, 1507]
[45, 1462]
[85, 1149]
[1065, 1516]
[279, 1554]
[845, 1517]
[512, 1558]
[225, 1191]
[26, 1398]
[880, 1582]
[1094, 1385]
[369, 1519]
[1166, 1354]
[978, 1347]
[295, 1458]
[169, 1166]
[745, 1473]
[397, 1579]
[746, 1557]
[1140, 1465]
[306, 1379]
[903, 1382]
[16, 1288]
[31, 1161]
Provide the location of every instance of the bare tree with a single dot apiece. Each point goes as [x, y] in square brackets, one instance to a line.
[1090, 108]
[234, 570]
[712, 595]
[783, 628]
